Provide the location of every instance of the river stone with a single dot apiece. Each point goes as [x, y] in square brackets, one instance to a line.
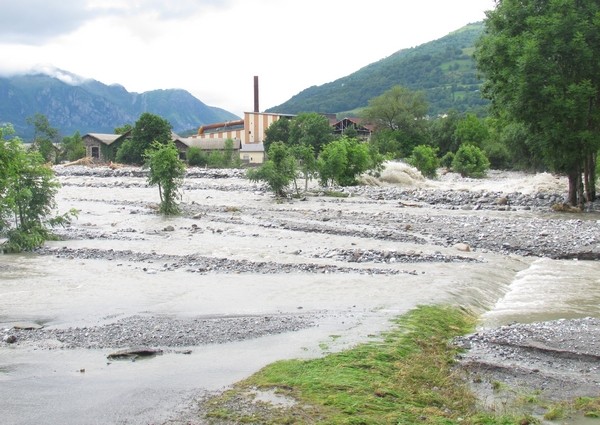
[9, 339]
[27, 326]
[462, 247]
[133, 353]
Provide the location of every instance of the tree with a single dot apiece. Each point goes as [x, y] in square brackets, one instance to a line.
[441, 132]
[73, 147]
[400, 115]
[471, 130]
[306, 162]
[279, 131]
[278, 171]
[397, 109]
[343, 160]
[27, 191]
[310, 129]
[167, 172]
[149, 128]
[470, 161]
[123, 129]
[539, 60]
[44, 137]
[424, 158]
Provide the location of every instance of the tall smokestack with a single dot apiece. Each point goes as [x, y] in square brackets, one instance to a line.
[256, 109]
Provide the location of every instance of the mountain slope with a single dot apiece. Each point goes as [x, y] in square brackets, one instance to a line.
[91, 106]
[444, 69]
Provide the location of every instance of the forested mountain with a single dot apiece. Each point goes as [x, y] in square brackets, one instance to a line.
[444, 69]
[90, 106]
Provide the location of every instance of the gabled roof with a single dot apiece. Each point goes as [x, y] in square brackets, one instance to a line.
[108, 139]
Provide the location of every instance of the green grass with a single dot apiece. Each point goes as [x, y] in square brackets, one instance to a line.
[406, 377]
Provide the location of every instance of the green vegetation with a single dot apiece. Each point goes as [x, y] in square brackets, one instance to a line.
[470, 161]
[407, 377]
[27, 191]
[196, 158]
[424, 158]
[399, 117]
[44, 137]
[72, 148]
[343, 160]
[541, 71]
[167, 172]
[310, 129]
[278, 171]
[149, 128]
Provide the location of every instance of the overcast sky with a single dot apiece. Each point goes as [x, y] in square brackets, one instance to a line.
[213, 48]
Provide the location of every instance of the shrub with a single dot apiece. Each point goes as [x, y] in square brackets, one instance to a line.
[447, 159]
[424, 158]
[470, 161]
[195, 157]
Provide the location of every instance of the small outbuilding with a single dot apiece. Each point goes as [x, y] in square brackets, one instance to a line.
[103, 147]
[252, 153]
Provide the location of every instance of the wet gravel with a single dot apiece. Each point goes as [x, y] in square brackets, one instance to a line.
[560, 359]
[160, 331]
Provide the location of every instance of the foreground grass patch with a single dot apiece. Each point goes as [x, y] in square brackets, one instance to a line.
[407, 377]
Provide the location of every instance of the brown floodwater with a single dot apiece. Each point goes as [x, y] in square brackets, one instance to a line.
[47, 386]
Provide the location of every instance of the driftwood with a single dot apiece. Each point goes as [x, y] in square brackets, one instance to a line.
[82, 161]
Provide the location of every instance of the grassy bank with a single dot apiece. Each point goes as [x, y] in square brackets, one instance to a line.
[407, 377]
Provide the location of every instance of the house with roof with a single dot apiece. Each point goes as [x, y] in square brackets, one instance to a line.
[103, 147]
[207, 145]
[363, 131]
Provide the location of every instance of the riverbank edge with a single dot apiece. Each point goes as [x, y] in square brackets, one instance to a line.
[409, 374]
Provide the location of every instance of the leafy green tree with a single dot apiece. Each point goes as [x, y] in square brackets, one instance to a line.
[441, 132]
[27, 191]
[540, 64]
[167, 172]
[424, 158]
[470, 161]
[278, 171]
[400, 114]
[471, 130]
[279, 131]
[397, 109]
[73, 147]
[44, 137]
[310, 129]
[149, 128]
[306, 162]
[343, 161]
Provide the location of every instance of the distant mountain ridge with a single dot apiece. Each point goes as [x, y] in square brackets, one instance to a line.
[444, 69]
[72, 103]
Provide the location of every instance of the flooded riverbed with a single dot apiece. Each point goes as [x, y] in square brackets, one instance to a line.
[352, 264]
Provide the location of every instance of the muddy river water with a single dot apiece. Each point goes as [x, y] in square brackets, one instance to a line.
[240, 224]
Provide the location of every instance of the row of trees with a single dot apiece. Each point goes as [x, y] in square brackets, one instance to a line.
[305, 147]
